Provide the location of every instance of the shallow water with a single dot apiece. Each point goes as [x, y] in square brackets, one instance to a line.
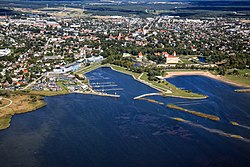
[87, 130]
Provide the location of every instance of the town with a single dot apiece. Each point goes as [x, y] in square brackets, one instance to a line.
[38, 51]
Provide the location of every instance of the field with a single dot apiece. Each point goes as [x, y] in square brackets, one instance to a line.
[176, 92]
[192, 9]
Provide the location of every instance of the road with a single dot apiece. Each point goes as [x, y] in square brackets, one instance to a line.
[33, 82]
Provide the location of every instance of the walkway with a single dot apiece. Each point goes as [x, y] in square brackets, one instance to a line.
[153, 86]
[148, 94]
[7, 104]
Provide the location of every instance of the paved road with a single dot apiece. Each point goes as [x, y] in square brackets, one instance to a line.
[33, 82]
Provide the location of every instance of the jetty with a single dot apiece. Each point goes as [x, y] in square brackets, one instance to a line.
[148, 94]
[102, 94]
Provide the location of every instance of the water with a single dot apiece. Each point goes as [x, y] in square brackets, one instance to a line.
[86, 130]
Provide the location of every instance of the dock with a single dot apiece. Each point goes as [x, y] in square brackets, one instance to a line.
[102, 94]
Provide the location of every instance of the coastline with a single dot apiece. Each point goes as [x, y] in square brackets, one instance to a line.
[164, 93]
[205, 74]
[21, 104]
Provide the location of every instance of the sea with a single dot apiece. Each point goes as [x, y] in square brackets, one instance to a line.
[79, 130]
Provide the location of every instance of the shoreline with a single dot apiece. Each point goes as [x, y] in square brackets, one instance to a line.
[205, 74]
[7, 114]
[166, 94]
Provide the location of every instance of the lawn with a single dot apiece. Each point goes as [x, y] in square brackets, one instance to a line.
[89, 68]
[124, 70]
[239, 79]
[164, 85]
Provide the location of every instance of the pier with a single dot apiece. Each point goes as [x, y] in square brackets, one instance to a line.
[102, 83]
[102, 94]
[102, 86]
[113, 89]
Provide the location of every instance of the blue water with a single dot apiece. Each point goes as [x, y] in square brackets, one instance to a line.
[93, 131]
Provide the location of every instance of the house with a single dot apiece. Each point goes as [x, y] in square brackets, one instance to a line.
[126, 55]
[4, 52]
[67, 68]
[94, 59]
[171, 59]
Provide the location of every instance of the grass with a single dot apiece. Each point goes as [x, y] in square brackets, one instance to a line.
[22, 103]
[163, 85]
[234, 123]
[238, 79]
[124, 70]
[5, 122]
[199, 114]
[89, 68]
[176, 92]
[242, 90]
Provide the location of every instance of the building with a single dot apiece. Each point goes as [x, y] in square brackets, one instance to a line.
[171, 59]
[4, 52]
[126, 55]
[94, 59]
[67, 68]
[140, 56]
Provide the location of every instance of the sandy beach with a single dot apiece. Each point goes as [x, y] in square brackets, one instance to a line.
[206, 74]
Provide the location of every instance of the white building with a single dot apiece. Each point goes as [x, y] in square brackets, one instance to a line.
[171, 59]
[4, 52]
[94, 59]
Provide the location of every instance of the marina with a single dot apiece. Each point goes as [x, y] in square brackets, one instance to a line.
[78, 128]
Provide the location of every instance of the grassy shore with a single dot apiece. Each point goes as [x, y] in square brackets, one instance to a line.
[26, 101]
[176, 92]
[21, 103]
[162, 86]
[242, 90]
[239, 79]
[89, 68]
[199, 114]
[124, 70]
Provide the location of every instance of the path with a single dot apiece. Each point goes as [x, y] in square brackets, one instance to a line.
[148, 94]
[153, 86]
[7, 104]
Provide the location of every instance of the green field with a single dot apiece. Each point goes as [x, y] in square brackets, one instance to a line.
[239, 79]
[176, 92]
